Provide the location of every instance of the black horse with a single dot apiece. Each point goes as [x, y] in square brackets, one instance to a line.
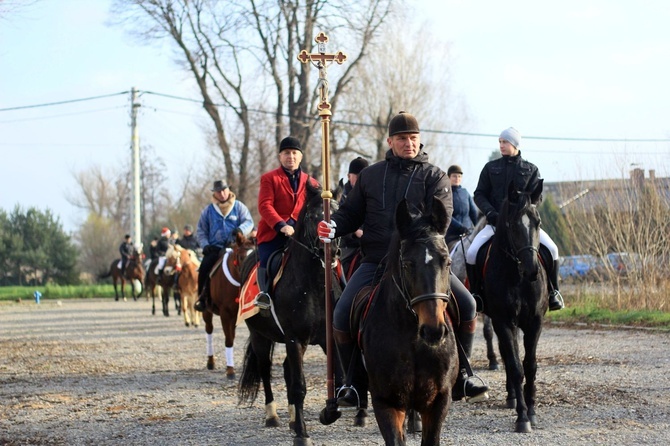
[516, 296]
[407, 338]
[299, 305]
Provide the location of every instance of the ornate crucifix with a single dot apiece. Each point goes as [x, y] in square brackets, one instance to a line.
[321, 60]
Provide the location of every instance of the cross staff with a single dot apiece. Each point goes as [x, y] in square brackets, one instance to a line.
[321, 60]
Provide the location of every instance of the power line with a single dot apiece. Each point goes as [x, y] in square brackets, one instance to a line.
[352, 123]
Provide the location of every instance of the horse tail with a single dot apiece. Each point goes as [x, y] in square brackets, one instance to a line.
[105, 275]
[251, 376]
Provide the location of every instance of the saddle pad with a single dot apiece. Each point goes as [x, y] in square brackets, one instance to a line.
[248, 293]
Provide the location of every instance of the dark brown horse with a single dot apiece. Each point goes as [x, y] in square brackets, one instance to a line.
[407, 339]
[134, 271]
[224, 289]
[160, 286]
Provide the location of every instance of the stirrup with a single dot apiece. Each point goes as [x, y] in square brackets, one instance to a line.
[559, 304]
[344, 404]
[262, 301]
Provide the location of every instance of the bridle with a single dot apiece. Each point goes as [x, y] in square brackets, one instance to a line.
[514, 252]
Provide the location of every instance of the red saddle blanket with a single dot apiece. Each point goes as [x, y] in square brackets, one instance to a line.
[248, 293]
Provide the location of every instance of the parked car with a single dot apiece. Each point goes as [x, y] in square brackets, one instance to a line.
[624, 263]
[579, 267]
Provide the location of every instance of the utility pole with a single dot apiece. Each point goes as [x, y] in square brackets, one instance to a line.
[136, 225]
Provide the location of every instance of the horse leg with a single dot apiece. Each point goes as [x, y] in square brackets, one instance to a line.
[184, 305]
[390, 422]
[296, 390]
[123, 292]
[262, 350]
[509, 350]
[490, 350]
[165, 298]
[433, 418]
[116, 293]
[209, 330]
[228, 325]
[531, 337]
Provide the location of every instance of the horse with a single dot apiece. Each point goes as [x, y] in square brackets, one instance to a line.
[299, 319]
[134, 271]
[224, 289]
[407, 339]
[160, 286]
[458, 250]
[516, 296]
[186, 264]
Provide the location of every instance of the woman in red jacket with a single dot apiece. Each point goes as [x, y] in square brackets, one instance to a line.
[280, 199]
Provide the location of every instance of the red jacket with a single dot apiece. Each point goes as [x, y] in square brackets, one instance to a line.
[277, 202]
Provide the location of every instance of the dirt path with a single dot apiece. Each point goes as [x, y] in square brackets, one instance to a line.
[99, 372]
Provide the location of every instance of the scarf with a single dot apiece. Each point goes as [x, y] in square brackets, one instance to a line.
[224, 207]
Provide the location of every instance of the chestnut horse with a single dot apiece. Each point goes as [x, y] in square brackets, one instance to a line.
[185, 263]
[134, 271]
[224, 289]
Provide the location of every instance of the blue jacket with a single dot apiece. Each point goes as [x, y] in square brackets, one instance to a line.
[216, 229]
[465, 212]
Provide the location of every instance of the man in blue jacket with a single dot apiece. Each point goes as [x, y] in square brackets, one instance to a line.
[464, 218]
[216, 229]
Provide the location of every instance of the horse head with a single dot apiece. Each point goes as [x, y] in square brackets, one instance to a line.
[310, 216]
[241, 247]
[421, 271]
[520, 229]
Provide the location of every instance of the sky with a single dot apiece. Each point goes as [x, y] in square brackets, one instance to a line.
[585, 82]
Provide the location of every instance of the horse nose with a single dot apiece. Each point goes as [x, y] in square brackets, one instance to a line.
[432, 335]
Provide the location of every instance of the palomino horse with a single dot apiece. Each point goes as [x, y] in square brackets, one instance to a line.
[134, 271]
[516, 296]
[407, 339]
[299, 319]
[224, 289]
[458, 251]
[185, 263]
[160, 286]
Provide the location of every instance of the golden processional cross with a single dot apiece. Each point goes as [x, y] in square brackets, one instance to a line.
[321, 60]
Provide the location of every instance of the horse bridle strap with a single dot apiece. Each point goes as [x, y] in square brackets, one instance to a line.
[429, 296]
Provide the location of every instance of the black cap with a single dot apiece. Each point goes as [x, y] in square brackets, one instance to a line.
[454, 169]
[188, 228]
[355, 166]
[403, 122]
[219, 185]
[290, 142]
[127, 236]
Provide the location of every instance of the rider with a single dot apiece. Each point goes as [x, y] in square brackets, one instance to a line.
[350, 244]
[405, 173]
[464, 218]
[491, 191]
[126, 249]
[216, 228]
[281, 197]
[188, 240]
[162, 247]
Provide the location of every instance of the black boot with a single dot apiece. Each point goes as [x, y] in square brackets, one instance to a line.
[347, 352]
[464, 386]
[555, 298]
[262, 300]
[201, 304]
[475, 285]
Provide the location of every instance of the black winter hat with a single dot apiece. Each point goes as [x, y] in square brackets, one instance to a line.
[290, 142]
[355, 166]
[403, 122]
[454, 169]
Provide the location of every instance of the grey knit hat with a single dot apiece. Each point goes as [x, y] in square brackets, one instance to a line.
[511, 135]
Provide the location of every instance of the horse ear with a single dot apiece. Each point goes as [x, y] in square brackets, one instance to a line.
[403, 219]
[536, 195]
[440, 216]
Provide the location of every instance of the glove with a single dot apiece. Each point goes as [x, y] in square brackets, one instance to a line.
[492, 218]
[210, 249]
[326, 230]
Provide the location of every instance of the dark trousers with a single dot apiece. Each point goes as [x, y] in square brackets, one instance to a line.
[205, 268]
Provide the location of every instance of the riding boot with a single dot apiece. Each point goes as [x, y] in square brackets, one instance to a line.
[475, 286]
[555, 298]
[348, 354]
[262, 300]
[464, 386]
[201, 304]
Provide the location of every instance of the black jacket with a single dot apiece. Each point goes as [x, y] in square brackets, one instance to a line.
[380, 187]
[162, 246]
[188, 242]
[496, 177]
[126, 250]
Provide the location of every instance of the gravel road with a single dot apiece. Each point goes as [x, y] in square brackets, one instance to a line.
[100, 372]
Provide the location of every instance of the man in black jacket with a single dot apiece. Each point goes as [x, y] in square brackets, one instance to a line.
[405, 173]
[126, 249]
[491, 191]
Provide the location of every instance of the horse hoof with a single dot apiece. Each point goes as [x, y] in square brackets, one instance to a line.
[230, 372]
[494, 366]
[125, 300]
[361, 418]
[533, 420]
[210, 364]
[187, 324]
[272, 422]
[523, 427]
[328, 416]
[510, 403]
[302, 441]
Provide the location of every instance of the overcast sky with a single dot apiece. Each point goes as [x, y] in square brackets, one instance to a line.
[560, 72]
